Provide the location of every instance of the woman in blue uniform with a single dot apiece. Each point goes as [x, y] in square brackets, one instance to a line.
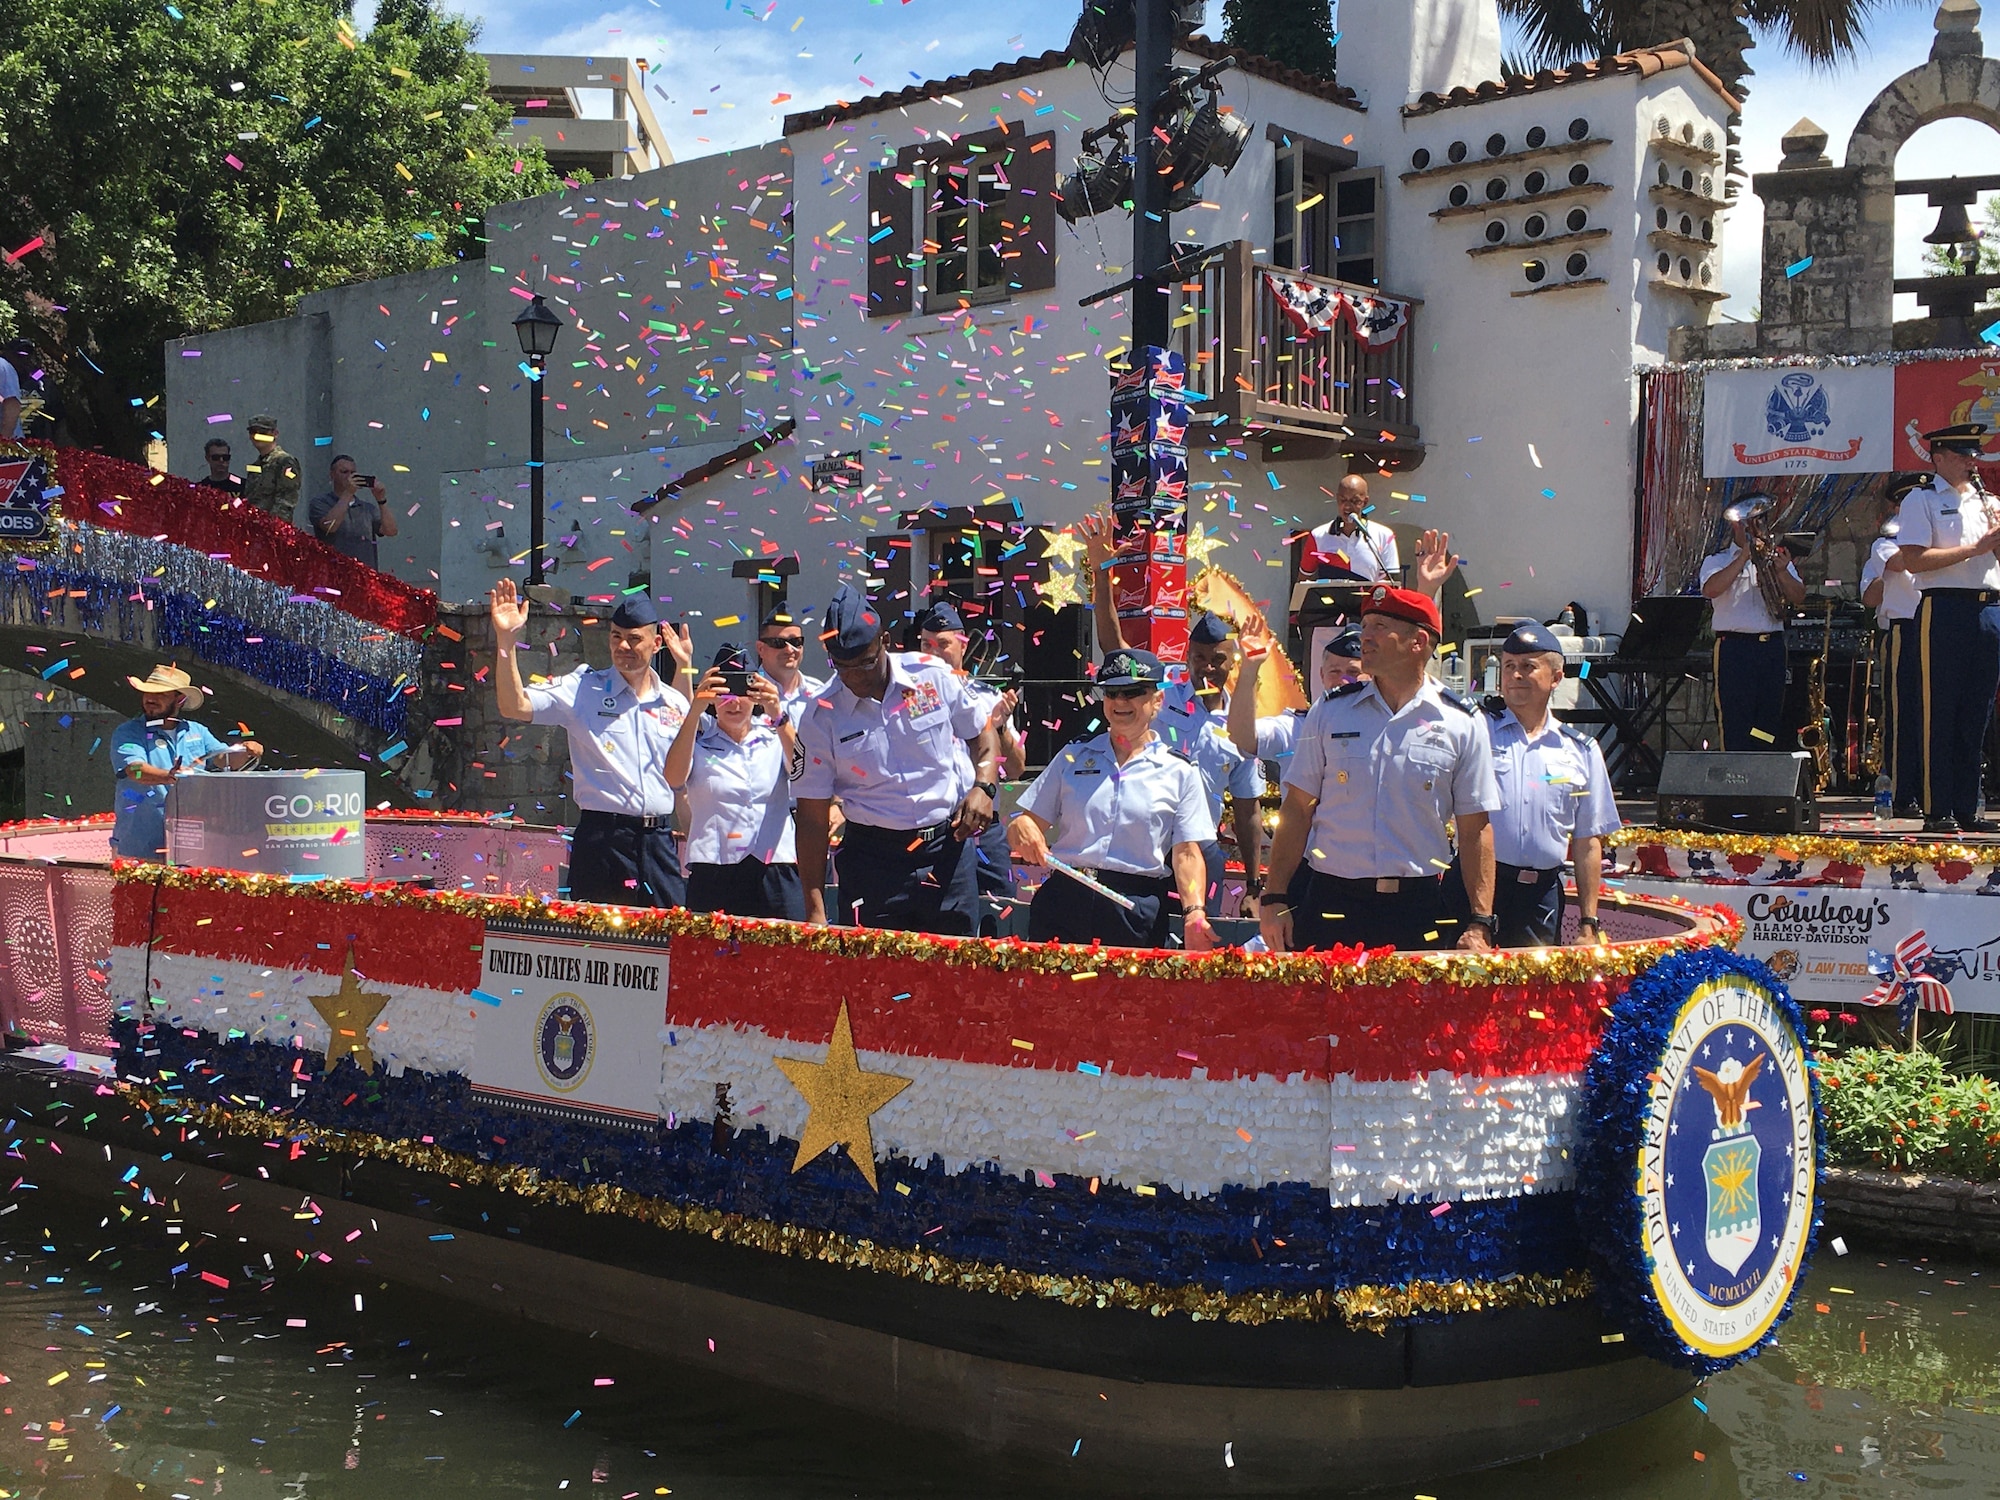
[1127, 811]
[731, 763]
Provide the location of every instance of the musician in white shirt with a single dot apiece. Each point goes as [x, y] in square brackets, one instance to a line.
[1749, 639]
[1890, 589]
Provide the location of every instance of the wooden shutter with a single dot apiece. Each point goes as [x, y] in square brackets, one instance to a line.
[1031, 243]
[889, 255]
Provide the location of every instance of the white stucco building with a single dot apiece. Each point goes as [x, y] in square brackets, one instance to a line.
[739, 318]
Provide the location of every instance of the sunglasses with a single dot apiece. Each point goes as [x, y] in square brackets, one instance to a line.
[1123, 692]
[783, 642]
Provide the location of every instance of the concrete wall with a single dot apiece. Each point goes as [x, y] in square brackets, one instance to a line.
[433, 385]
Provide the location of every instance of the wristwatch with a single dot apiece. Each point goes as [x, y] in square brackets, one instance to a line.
[1254, 886]
[1592, 923]
[991, 788]
[1487, 920]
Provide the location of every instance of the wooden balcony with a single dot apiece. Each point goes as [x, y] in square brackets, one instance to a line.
[1244, 353]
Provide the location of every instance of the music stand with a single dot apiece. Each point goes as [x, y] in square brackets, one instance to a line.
[1656, 653]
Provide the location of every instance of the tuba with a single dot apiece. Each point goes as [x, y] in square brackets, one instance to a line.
[1752, 512]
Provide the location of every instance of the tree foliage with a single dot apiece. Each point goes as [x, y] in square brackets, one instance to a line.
[203, 163]
[1298, 32]
[1823, 32]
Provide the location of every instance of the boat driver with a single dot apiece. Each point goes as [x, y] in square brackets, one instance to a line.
[150, 753]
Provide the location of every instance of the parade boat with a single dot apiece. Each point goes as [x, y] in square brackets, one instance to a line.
[1278, 1222]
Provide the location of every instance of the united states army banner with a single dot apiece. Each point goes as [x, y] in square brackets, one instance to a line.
[1772, 422]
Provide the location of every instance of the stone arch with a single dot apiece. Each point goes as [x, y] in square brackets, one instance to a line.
[1958, 82]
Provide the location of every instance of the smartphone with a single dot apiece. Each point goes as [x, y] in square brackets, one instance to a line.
[736, 684]
[364, 481]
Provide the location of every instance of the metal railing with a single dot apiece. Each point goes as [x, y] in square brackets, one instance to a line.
[1245, 353]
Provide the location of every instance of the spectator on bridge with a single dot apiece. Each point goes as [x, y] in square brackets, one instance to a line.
[272, 483]
[218, 477]
[16, 374]
[353, 514]
[149, 753]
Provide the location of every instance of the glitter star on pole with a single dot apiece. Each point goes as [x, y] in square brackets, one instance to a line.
[839, 1099]
[1064, 547]
[349, 1013]
[1200, 542]
[1059, 590]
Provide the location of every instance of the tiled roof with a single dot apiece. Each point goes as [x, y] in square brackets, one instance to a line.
[1645, 61]
[1045, 62]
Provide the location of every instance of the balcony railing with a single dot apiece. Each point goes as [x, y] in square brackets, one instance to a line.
[1248, 357]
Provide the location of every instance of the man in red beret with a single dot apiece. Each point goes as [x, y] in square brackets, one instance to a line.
[1383, 770]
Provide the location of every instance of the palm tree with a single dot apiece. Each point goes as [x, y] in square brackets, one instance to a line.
[1823, 32]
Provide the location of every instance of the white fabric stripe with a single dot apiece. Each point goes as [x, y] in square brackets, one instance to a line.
[1436, 1137]
[426, 1029]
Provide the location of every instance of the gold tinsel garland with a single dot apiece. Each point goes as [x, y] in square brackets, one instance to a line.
[1373, 1308]
[1515, 966]
[1804, 846]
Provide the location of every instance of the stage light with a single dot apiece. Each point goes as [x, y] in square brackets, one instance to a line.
[1203, 138]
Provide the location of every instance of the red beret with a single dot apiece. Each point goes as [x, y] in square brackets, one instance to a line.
[1404, 604]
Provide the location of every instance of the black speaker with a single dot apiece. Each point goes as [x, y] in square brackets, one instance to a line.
[1737, 791]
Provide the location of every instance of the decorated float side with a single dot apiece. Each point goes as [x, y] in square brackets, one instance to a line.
[1292, 1220]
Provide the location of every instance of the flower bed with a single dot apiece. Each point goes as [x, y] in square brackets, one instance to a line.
[1901, 1111]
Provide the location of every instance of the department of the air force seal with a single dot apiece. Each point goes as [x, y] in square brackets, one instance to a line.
[1706, 1063]
[565, 1042]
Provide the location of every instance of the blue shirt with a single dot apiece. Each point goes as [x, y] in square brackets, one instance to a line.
[893, 763]
[794, 703]
[140, 829]
[618, 741]
[1200, 735]
[1126, 818]
[739, 798]
[1389, 783]
[1552, 788]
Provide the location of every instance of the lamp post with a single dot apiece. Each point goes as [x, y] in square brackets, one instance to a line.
[536, 328]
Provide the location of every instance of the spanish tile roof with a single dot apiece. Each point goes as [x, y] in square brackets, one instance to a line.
[1045, 62]
[1645, 61]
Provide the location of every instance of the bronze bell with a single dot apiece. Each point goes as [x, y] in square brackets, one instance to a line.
[1953, 228]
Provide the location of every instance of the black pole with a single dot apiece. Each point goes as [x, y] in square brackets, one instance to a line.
[535, 476]
[1152, 233]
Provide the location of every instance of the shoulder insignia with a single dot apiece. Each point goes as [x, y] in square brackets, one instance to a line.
[1576, 732]
[1463, 704]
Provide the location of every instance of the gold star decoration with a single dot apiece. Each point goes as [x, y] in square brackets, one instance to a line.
[1200, 542]
[1064, 547]
[349, 1013]
[1059, 590]
[839, 1099]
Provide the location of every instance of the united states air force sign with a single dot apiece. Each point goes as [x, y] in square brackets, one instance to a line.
[1700, 1158]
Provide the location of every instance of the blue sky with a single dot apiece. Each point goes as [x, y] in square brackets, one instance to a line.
[731, 58]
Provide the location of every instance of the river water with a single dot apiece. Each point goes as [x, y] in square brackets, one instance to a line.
[127, 1382]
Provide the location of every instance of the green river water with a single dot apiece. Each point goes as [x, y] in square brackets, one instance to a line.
[122, 1381]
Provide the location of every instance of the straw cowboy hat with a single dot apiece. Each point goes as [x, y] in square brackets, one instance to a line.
[163, 680]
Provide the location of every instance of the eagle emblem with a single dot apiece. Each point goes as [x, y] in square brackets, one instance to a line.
[1797, 409]
[1731, 1163]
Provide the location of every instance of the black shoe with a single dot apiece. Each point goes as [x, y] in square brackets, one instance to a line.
[1979, 825]
[1946, 824]
[1909, 810]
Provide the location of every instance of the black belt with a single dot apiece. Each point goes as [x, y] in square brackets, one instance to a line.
[935, 831]
[1984, 596]
[1501, 867]
[646, 823]
[1383, 885]
[1749, 635]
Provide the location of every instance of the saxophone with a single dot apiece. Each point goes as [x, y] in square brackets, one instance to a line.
[1814, 734]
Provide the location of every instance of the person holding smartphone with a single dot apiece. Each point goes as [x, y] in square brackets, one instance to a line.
[352, 515]
[731, 765]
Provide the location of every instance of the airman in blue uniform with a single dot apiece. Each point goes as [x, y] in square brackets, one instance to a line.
[1127, 810]
[887, 742]
[941, 628]
[1382, 769]
[621, 721]
[1555, 799]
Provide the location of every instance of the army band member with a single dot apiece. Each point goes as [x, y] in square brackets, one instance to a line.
[888, 742]
[1127, 810]
[1890, 589]
[1380, 769]
[1555, 799]
[621, 721]
[1949, 535]
[1749, 639]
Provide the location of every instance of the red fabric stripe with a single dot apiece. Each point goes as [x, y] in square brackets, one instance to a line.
[434, 949]
[1138, 1026]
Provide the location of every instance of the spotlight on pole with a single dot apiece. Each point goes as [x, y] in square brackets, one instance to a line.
[1102, 180]
[1203, 138]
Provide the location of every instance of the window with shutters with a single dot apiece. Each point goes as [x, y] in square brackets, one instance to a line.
[962, 222]
[1327, 213]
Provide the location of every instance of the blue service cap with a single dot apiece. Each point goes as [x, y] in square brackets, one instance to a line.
[1959, 437]
[730, 658]
[1127, 667]
[634, 611]
[1208, 630]
[851, 625]
[941, 616]
[780, 615]
[1900, 485]
[1530, 638]
[1345, 643]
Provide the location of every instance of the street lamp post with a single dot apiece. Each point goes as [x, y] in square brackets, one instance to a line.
[536, 328]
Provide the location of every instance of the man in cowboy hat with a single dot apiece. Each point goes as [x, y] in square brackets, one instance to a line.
[149, 753]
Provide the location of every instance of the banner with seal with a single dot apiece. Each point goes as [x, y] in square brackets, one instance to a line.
[1698, 1170]
[1770, 423]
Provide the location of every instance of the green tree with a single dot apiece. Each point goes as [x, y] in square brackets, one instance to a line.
[195, 164]
[1950, 260]
[1299, 32]
[1823, 32]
